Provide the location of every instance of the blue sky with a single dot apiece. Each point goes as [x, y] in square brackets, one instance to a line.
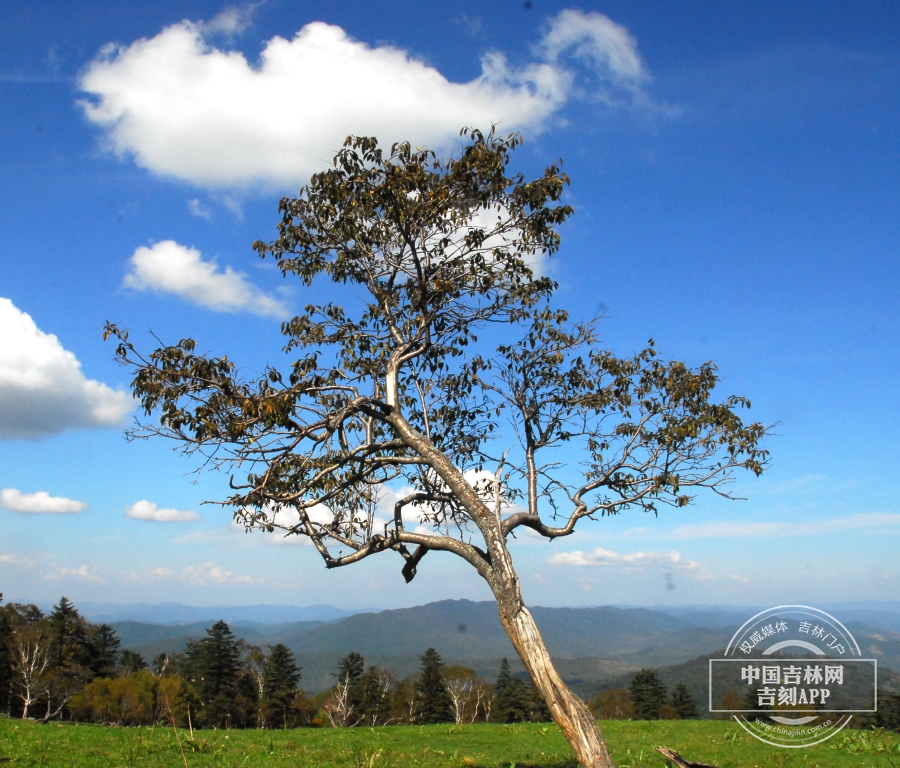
[736, 180]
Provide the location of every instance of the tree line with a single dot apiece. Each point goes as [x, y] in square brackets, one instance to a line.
[437, 694]
[62, 667]
[647, 698]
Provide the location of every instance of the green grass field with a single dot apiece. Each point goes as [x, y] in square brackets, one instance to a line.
[721, 743]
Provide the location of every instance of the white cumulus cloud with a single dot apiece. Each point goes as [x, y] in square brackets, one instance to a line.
[667, 561]
[82, 572]
[13, 559]
[42, 388]
[40, 503]
[168, 267]
[201, 575]
[187, 110]
[147, 510]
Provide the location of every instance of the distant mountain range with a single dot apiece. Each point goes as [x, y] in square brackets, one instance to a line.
[177, 613]
[592, 647]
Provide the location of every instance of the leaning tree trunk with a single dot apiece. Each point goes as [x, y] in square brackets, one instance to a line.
[569, 712]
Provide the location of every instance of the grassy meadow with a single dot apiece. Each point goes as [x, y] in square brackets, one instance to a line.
[721, 743]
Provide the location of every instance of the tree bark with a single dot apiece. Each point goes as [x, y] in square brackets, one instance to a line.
[570, 713]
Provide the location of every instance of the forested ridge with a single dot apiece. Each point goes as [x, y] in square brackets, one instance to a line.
[60, 666]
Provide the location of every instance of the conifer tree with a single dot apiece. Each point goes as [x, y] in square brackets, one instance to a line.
[648, 694]
[6, 672]
[683, 702]
[280, 680]
[350, 672]
[511, 697]
[375, 687]
[70, 646]
[538, 711]
[132, 662]
[213, 666]
[434, 701]
[351, 667]
[246, 701]
[70, 659]
[103, 651]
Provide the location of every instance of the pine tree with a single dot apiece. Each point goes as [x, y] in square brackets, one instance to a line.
[683, 702]
[512, 699]
[351, 667]
[103, 651]
[648, 694]
[538, 711]
[246, 700]
[280, 680]
[132, 662]
[375, 706]
[213, 666]
[69, 636]
[434, 701]
[350, 672]
[6, 672]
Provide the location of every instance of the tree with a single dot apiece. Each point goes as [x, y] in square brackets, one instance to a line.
[888, 716]
[103, 651]
[731, 700]
[70, 660]
[132, 662]
[510, 696]
[253, 661]
[462, 684]
[613, 704]
[31, 657]
[351, 669]
[683, 702]
[396, 385]
[515, 701]
[375, 694]
[69, 636]
[343, 707]
[162, 665]
[404, 702]
[125, 700]
[648, 694]
[212, 665]
[6, 657]
[280, 681]
[25, 649]
[431, 690]
[338, 707]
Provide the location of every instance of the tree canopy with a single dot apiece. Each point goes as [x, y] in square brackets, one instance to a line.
[446, 330]
[395, 388]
